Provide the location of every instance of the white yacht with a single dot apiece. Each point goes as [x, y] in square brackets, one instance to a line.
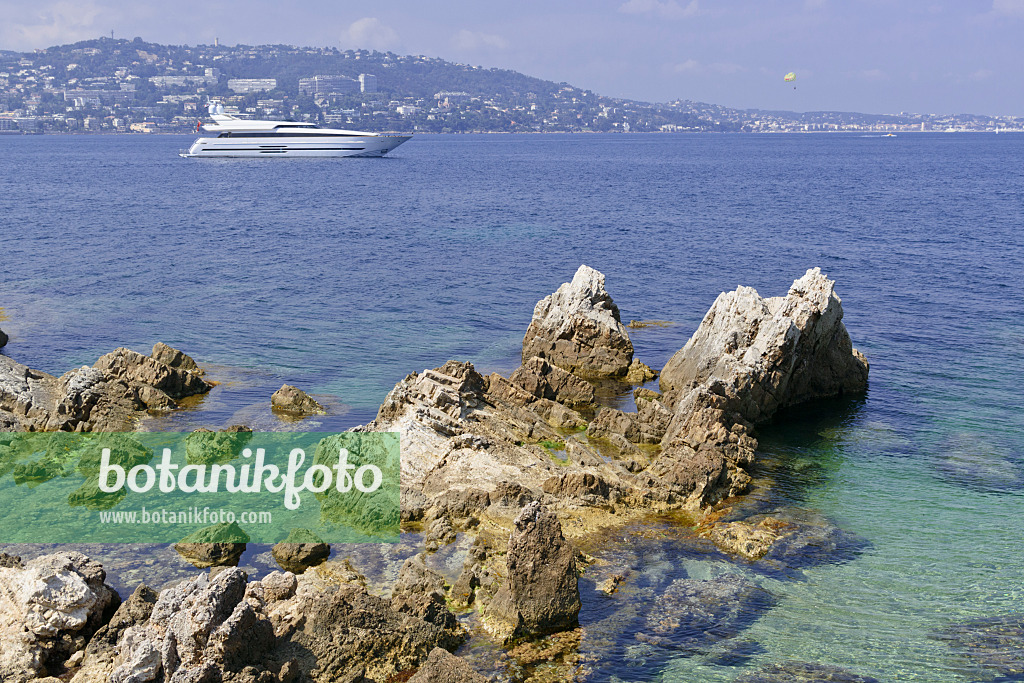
[230, 136]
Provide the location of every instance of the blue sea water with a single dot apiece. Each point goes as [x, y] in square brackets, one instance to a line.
[341, 276]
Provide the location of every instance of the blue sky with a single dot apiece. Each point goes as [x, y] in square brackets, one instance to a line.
[946, 56]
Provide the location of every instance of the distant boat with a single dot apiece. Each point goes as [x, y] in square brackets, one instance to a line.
[889, 135]
[236, 137]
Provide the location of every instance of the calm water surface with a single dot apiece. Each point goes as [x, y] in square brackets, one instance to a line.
[342, 276]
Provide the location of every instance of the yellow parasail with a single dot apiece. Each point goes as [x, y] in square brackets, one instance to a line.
[790, 77]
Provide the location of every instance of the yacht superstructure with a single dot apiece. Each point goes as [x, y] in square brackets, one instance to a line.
[230, 136]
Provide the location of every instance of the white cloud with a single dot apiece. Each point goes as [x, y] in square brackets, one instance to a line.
[49, 24]
[665, 9]
[471, 40]
[692, 66]
[372, 34]
[873, 75]
[1011, 7]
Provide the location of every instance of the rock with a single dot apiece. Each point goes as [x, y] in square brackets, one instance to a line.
[196, 631]
[542, 593]
[81, 400]
[692, 614]
[289, 399]
[300, 550]
[174, 358]
[772, 353]
[584, 485]
[419, 591]
[749, 358]
[10, 561]
[543, 380]
[751, 541]
[3, 339]
[219, 545]
[442, 666]
[578, 329]
[639, 373]
[49, 608]
[137, 369]
[803, 672]
[992, 647]
[352, 634]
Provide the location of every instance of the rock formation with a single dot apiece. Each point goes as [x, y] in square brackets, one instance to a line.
[282, 628]
[110, 396]
[219, 545]
[49, 608]
[301, 550]
[749, 358]
[542, 594]
[578, 329]
[3, 339]
[289, 399]
[444, 667]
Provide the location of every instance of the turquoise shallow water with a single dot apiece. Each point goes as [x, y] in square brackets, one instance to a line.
[342, 276]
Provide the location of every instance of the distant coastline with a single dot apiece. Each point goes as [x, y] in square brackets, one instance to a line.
[107, 85]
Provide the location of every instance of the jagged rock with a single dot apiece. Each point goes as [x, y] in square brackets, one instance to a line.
[219, 545]
[542, 593]
[3, 339]
[135, 368]
[300, 550]
[420, 591]
[10, 561]
[639, 373]
[692, 614]
[772, 353]
[544, 380]
[442, 666]
[81, 400]
[289, 399]
[49, 608]
[578, 329]
[174, 358]
[352, 634]
[584, 485]
[803, 672]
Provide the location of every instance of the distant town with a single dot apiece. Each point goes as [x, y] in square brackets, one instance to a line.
[130, 86]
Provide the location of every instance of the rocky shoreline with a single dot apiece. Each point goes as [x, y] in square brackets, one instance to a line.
[516, 472]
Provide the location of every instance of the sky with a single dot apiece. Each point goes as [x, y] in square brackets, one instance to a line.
[873, 56]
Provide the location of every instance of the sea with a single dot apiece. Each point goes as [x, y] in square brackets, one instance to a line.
[341, 276]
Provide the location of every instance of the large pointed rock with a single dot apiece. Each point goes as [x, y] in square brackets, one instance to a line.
[772, 353]
[541, 594]
[578, 329]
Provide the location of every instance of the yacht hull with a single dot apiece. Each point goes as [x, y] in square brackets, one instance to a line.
[240, 145]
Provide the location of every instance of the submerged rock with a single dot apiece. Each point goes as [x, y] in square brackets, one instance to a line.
[301, 550]
[542, 593]
[220, 545]
[692, 614]
[803, 672]
[289, 399]
[991, 648]
[578, 328]
[49, 608]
